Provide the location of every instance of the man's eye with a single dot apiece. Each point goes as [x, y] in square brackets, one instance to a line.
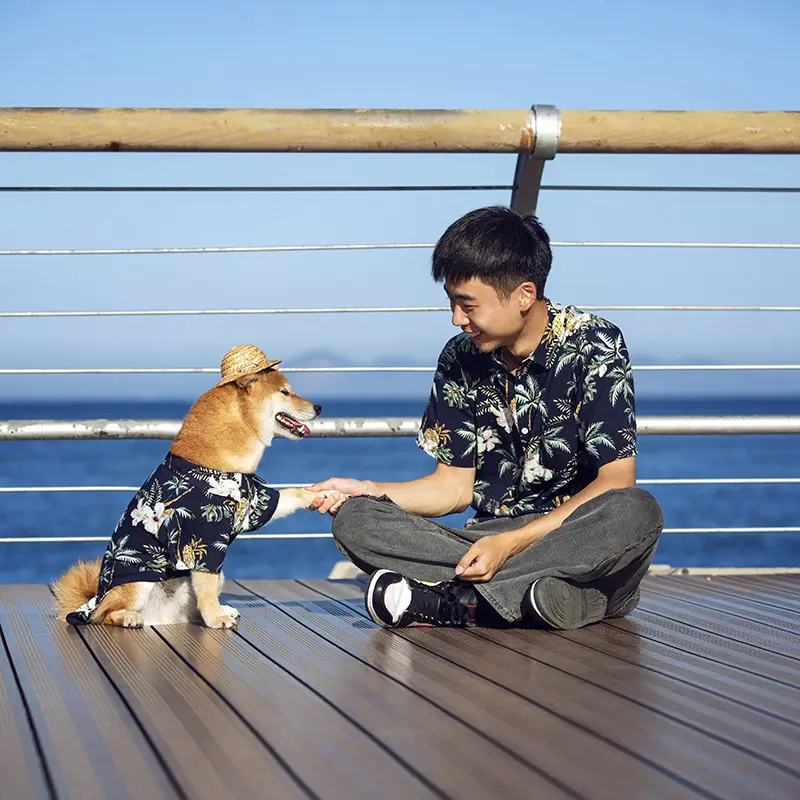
[286, 392]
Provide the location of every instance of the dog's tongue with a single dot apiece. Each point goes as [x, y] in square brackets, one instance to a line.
[296, 424]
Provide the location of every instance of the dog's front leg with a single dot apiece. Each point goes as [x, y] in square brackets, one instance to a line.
[206, 590]
[292, 500]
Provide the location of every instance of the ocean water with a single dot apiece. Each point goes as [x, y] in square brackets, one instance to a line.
[51, 463]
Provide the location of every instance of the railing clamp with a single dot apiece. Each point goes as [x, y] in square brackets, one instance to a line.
[546, 127]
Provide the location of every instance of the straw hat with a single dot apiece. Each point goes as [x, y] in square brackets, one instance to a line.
[244, 359]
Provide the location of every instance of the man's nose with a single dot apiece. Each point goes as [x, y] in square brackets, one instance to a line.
[459, 318]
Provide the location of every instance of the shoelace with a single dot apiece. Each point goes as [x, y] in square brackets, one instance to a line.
[439, 604]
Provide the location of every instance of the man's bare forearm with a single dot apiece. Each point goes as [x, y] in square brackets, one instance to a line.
[429, 496]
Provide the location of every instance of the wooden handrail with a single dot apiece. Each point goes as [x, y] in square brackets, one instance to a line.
[409, 131]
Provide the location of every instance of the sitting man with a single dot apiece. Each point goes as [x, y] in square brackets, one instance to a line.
[531, 420]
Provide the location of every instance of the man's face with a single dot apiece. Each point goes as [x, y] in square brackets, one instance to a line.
[491, 321]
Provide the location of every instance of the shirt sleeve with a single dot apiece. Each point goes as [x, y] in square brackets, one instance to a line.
[607, 413]
[264, 505]
[447, 431]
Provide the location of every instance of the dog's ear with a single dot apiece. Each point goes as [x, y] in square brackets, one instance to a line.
[247, 380]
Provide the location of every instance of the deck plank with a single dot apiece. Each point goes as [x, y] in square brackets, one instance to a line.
[789, 583]
[207, 747]
[335, 758]
[90, 746]
[709, 645]
[533, 734]
[21, 771]
[413, 729]
[783, 593]
[700, 759]
[749, 596]
[738, 629]
[726, 605]
[763, 736]
[747, 688]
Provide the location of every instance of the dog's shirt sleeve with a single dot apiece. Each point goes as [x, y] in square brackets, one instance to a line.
[220, 519]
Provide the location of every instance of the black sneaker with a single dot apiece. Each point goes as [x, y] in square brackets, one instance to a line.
[563, 605]
[628, 606]
[395, 601]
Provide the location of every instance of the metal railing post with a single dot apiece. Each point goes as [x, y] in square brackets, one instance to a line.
[546, 128]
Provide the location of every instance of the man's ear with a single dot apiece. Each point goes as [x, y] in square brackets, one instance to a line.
[247, 380]
[527, 296]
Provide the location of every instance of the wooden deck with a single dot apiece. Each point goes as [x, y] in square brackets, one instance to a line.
[697, 694]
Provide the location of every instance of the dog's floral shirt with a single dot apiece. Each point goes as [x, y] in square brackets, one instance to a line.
[538, 436]
[182, 519]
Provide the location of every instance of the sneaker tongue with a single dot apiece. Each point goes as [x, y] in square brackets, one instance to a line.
[397, 598]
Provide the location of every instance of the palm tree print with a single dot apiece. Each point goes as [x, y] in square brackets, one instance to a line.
[530, 400]
[594, 439]
[552, 441]
[455, 394]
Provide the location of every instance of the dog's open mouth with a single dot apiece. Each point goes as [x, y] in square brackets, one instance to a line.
[292, 424]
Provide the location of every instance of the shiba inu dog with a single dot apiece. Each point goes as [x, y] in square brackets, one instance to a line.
[163, 563]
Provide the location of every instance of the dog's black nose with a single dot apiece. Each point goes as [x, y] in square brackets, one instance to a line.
[317, 408]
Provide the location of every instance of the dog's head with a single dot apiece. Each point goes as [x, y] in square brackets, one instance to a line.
[274, 408]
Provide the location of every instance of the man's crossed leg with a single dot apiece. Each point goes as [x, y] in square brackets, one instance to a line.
[585, 570]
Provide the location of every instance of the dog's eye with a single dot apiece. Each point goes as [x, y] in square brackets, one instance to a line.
[286, 392]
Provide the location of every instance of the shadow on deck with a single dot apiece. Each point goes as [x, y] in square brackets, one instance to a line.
[695, 694]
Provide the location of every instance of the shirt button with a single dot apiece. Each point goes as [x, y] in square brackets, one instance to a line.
[520, 387]
[524, 431]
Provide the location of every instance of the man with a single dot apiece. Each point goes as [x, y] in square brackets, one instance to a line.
[531, 420]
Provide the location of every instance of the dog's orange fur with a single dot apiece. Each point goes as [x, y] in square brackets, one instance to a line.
[81, 582]
[224, 430]
[76, 586]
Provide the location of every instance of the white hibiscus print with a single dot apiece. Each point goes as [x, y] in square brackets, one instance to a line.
[487, 439]
[427, 445]
[504, 417]
[534, 472]
[150, 517]
[226, 487]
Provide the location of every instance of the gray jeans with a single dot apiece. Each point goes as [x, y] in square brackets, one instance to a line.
[606, 543]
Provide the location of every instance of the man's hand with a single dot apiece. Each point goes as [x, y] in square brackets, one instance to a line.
[346, 487]
[484, 558]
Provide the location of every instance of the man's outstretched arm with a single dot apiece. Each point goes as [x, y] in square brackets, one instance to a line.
[447, 490]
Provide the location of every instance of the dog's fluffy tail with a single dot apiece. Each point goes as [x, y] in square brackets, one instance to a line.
[77, 585]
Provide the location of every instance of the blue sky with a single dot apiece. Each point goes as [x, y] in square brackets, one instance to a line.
[658, 55]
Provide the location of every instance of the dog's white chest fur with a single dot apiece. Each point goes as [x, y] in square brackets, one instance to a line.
[167, 602]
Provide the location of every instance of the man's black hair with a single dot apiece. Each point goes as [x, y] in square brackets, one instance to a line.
[496, 245]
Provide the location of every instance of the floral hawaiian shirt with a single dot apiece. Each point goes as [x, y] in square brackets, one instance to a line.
[539, 435]
[182, 519]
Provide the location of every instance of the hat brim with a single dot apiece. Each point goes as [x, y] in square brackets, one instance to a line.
[270, 365]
